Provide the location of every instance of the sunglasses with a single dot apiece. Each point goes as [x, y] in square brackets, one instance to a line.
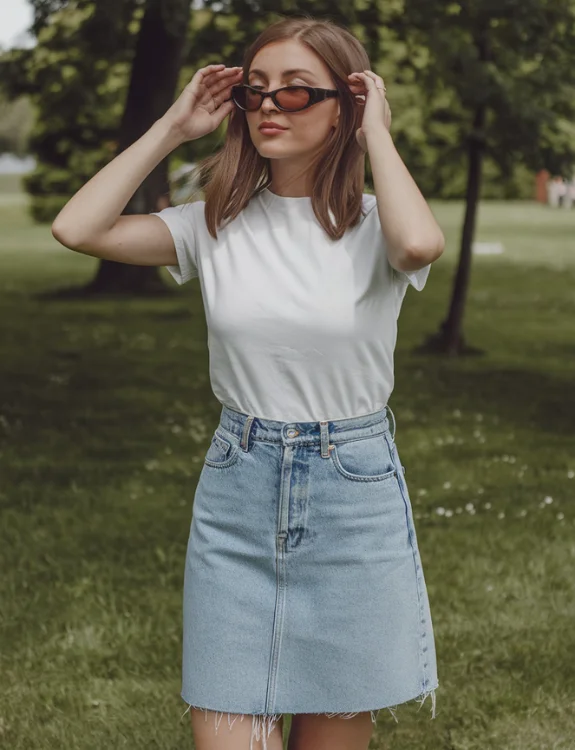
[287, 99]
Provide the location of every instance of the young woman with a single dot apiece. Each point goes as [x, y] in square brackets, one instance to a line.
[304, 591]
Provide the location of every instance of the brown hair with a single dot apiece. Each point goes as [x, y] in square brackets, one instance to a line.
[338, 171]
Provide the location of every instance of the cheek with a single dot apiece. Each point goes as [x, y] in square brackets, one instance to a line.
[315, 130]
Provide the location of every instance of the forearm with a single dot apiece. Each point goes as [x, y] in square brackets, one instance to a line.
[95, 208]
[412, 234]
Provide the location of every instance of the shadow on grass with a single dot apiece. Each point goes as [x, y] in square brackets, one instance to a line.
[526, 399]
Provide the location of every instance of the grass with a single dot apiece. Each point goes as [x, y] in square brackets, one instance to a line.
[105, 416]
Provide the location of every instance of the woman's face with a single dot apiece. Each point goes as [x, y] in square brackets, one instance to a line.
[306, 131]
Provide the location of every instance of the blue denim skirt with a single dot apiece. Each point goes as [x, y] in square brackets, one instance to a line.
[304, 590]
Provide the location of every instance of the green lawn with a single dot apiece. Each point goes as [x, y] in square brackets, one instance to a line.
[106, 413]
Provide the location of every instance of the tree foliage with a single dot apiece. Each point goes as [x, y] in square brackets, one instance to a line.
[505, 70]
[76, 76]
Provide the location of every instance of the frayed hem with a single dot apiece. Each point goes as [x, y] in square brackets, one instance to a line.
[421, 698]
[262, 724]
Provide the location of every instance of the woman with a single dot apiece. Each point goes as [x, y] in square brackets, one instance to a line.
[304, 591]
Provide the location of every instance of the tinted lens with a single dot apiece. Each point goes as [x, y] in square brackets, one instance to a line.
[292, 98]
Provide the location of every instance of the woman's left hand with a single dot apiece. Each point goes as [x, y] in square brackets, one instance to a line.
[376, 107]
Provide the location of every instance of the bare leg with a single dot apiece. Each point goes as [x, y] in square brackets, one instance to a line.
[322, 732]
[216, 730]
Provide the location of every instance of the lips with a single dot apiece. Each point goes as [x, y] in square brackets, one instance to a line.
[270, 125]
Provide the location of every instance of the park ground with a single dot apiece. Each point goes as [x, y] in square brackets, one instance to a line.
[106, 413]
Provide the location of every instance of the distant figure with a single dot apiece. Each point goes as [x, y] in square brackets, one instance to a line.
[556, 189]
[569, 196]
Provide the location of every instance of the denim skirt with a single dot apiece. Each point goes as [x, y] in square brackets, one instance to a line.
[303, 589]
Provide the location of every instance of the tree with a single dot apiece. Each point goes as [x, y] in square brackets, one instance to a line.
[102, 74]
[77, 95]
[506, 69]
[154, 76]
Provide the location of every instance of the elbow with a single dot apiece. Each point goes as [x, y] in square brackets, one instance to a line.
[58, 233]
[64, 236]
[420, 253]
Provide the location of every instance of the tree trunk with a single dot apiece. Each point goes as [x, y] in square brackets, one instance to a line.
[154, 77]
[452, 327]
[449, 339]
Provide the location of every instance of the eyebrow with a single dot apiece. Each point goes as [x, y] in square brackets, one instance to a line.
[285, 73]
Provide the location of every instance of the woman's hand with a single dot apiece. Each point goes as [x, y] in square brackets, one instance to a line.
[204, 103]
[371, 87]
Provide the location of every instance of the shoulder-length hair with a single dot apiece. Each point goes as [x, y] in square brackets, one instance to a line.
[237, 172]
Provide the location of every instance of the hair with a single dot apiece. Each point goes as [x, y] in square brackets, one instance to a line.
[337, 171]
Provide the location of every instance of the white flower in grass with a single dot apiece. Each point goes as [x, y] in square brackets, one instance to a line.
[548, 500]
[421, 492]
[560, 516]
[487, 506]
[440, 511]
[479, 417]
[457, 413]
[571, 474]
[449, 513]
[469, 507]
[480, 490]
[477, 433]
[447, 485]
[489, 587]
[501, 514]
[522, 512]
[459, 510]
[176, 429]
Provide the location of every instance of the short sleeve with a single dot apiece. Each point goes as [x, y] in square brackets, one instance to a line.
[180, 220]
[417, 279]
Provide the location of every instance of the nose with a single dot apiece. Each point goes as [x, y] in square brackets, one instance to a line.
[268, 105]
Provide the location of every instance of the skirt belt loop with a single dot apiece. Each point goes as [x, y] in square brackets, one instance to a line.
[245, 441]
[324, 434]
[388, 408]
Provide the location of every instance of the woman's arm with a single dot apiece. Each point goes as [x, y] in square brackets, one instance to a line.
[413, 236]
[91, 222]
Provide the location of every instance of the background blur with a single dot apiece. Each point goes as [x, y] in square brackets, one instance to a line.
[105, 405]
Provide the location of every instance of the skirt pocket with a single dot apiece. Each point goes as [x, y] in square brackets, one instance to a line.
[222, 452]
[365, 460]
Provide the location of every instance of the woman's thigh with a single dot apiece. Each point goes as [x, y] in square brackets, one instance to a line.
[321, 732]
[222, 731]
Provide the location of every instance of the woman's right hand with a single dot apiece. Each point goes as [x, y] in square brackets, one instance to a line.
[202, 105]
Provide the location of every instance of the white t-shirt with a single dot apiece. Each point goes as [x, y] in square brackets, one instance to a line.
[300, 327]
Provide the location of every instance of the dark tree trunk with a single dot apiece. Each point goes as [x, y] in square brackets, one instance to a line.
[449, 340]
[154, 77]
[452, 326]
